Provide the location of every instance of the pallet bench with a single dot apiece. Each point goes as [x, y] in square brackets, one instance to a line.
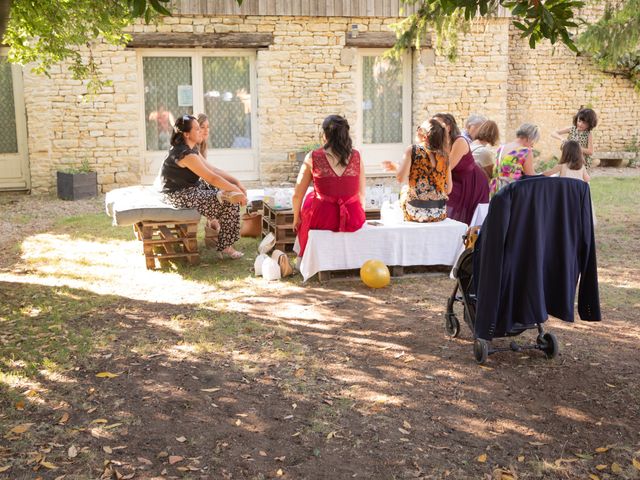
[166, 233]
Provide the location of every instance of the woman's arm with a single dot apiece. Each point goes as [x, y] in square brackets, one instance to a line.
[558, 133]
[402, 174]
[585, 175]
[528, 164]
[589, 149]
[302, 183]
[197, 166]
[449, 185]
[488, 171]
[362, 191]
[228, 177]
[552, 171]
[458, 150]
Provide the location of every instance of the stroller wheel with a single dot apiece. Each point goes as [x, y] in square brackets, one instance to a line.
[549, 345]
[480, 350]
[451, 325]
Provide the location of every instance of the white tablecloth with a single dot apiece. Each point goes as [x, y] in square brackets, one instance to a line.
[478, 215]
[403, 244]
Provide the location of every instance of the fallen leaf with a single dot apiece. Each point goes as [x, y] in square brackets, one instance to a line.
[610, 386]
[64, 419]
[107, 449]
[616, 468]
[5, 468]
[72, 452]
[238, 422]
[299, 372]
[537, 444]
[107, 375]
[636, 463]
[406, 424]
[182, 469]
[593, 476]
[209, 390]
[280, 459]
[99, 420]
[481, 458]
[31, 393]
[330, 435]
[173, 459]
[181, 439]
[601, 467]
[279, 473]
[584, 456]
[602, 449]
[48, 465]
[113, 425]
[521, 458]
[20, 405]
[403, 431]
[146, 461]
[262, 453]
[18, 429]
[92, 409]
[162, 455]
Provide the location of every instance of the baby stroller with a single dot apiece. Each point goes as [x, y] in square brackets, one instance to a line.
[462, 303]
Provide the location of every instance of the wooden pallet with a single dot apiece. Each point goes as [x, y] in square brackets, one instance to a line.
[162, 241]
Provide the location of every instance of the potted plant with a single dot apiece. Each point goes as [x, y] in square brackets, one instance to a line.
[77, 183]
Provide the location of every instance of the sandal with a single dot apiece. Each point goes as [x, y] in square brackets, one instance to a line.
[231, 253]
[230, 197]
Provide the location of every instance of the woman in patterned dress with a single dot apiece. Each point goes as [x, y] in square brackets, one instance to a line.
[515, 159]
[337, 201]
[426, 171]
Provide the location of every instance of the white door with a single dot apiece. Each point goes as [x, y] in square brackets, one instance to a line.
[14, 165]
[218, 83]
[384, 117]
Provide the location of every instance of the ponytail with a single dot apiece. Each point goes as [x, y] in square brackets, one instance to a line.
[336, 131]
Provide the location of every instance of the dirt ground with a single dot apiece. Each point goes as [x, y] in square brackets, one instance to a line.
[184, 377]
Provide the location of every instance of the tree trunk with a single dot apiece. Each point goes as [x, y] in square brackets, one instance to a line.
[5, 6]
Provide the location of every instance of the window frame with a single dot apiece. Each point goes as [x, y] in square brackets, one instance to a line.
[222, 158]
[374, 154]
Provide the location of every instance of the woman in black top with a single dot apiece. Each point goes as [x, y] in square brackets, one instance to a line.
[189, 182]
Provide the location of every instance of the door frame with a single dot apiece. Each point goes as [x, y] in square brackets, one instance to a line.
[383, 151]
[24, 181]
[150, 157]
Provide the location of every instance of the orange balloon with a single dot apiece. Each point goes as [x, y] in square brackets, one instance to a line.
[375, 274]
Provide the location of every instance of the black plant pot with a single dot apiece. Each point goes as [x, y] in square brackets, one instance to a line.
[75, 186]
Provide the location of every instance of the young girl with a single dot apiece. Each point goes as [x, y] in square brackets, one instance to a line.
[583, 122]
[571, 163]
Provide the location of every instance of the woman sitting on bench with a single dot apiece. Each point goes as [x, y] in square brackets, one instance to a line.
[337, 200]
[426, 170]
[188, 182]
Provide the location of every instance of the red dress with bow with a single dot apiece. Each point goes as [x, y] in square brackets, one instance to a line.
[334, 204]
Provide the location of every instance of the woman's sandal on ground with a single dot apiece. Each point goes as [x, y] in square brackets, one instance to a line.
[231, 253]
[229, 197]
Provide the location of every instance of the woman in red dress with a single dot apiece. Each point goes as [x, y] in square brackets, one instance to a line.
[336, 203]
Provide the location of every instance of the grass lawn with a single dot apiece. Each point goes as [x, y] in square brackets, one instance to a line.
[108, 370]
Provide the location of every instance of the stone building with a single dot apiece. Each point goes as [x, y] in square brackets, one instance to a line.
[268, 72]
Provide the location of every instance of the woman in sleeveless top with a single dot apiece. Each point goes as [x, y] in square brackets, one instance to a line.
[426, 170]
[571, 164]
[336, 203]
[188, 182]
[470, 185]
[515, 159]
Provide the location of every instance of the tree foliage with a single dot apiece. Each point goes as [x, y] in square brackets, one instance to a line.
[537, 19]
[614, 40]
[46, 32]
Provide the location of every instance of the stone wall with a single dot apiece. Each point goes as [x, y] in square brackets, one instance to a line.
[65, 127]
[308, 73]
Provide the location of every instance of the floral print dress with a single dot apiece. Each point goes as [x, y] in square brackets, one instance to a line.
[426, 182]
[509, 167]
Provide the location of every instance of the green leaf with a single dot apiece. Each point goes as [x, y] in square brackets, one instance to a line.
[139, 6]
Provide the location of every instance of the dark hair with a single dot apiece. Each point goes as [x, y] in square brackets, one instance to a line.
[437, 136]
[450, 121]
[336, 131]
[587, 115]
[572, 155]
[183, 125]
[488, 132]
